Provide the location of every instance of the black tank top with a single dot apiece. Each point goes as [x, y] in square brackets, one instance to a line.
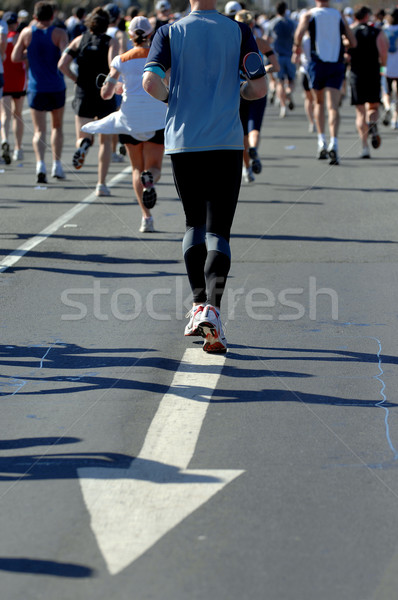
[92, 59]
[365, 57]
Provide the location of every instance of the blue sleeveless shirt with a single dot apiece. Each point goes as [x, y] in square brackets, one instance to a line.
[43, 57]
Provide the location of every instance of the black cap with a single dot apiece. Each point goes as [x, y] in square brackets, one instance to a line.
[113, 11]
[10, 18]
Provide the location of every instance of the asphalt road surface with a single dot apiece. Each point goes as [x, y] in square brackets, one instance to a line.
[136, 467]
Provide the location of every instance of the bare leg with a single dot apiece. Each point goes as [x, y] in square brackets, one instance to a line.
[309, 107]
[319, 110]
[361, 124]
[57, 134]
[254, 138]
[80, 135]
[104, 157]
[39, 119]
[246, 158]
[5, 113]
[136, 156]
[333, 100]
[18, 122]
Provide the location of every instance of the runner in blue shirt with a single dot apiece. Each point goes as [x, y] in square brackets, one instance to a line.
[194, 64]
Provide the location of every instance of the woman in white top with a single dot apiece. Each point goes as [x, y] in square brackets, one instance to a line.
[139, 122]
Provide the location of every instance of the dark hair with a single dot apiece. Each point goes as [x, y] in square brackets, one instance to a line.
[80, 12]
[132, 11]
[281, 8]
[139, 36]
[361, 12]
[43, 11]
[97, 21]
[394, 17]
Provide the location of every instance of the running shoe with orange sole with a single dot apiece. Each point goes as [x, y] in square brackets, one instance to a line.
[81, 153]
[210, 328]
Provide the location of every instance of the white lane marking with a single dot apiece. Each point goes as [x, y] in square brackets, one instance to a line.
[131, 509]
[17, 254]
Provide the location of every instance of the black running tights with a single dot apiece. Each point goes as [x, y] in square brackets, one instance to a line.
[208, 185]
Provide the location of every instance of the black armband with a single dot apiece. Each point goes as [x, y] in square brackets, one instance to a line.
[270, 53]
[71, 52]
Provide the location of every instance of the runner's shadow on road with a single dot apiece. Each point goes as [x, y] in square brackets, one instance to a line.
[300, 238]
[284, 395]
[44, 567]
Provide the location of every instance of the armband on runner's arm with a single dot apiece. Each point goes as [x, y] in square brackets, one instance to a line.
[70, 51]
[109, 79]
[253, 66]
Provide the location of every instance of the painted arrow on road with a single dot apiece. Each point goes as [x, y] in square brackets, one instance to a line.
[131, 509]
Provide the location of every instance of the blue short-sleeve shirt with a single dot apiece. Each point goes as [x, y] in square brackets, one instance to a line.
[205, 51]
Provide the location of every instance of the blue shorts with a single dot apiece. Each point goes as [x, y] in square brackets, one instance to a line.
[251, 114]
[287, 68]
[46, 100]
[326, 74]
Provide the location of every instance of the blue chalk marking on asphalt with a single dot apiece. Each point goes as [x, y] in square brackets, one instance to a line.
[20, 383]
[384, 399]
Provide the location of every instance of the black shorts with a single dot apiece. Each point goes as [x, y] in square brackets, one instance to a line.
[364, 88]
[158, 138]
[91, 106]
[15, 95]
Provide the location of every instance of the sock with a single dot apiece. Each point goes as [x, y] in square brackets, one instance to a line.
[333, 142]
[40, 166]
[321, 139]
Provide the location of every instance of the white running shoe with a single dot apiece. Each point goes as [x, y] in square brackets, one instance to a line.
[247, 174]
[102, 190]
[57, 171]
[17, 154]
[210, 327]
[194, 315]
[365, 153]
[147, 225]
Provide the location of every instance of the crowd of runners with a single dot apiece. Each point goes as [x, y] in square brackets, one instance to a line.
[168, 83]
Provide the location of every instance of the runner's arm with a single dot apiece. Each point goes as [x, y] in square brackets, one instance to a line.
[67, 57]
[382, 46]
[20, 50]
[302, 27]
[113, 50]
[155, 80]
[60, 38]
[155, 86]
[111, 83]
[265, 48]
[3, 44]
[349, 34]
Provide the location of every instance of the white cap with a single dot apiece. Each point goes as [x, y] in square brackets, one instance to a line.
[22, 14]
[140, 24]
[232, 7]
[163, 5]
[348, 10]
